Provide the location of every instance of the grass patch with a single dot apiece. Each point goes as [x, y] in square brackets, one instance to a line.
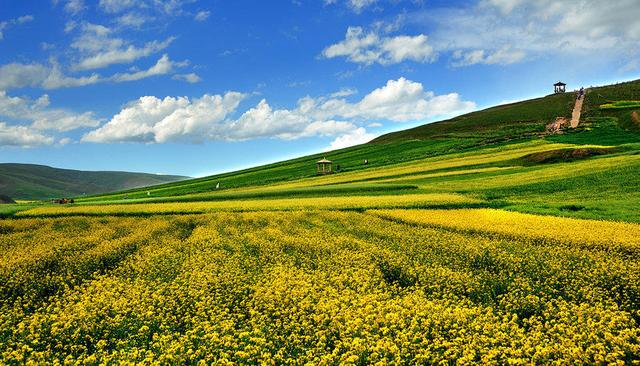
[622, 104]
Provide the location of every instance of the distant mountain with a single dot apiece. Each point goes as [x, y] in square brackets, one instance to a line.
[32, 182]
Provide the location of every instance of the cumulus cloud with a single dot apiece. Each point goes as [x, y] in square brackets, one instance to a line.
[99, 48]
[356, 137]
[150, 119]
[154, 120]
[367, 48]
[21, 136]
[43, 117]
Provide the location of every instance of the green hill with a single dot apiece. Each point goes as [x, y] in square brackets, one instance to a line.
[493, 127]
[33, 182]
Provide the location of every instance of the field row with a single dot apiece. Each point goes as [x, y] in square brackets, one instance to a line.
[312, 203]
[321, 287]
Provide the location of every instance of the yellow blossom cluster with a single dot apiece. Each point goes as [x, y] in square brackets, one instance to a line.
[309, 287]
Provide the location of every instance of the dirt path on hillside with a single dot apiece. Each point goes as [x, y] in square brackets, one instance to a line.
[577, 110]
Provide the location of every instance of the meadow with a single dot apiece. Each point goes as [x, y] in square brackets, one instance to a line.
[478, 240]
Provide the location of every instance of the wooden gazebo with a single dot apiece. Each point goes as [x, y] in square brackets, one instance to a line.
[559, 87]
[324, 166]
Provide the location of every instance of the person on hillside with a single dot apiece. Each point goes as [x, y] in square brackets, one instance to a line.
[581, 93]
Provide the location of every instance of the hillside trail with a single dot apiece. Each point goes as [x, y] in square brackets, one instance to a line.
[577, 110]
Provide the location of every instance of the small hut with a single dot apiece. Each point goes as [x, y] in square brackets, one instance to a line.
[324, 166]
[559, 87]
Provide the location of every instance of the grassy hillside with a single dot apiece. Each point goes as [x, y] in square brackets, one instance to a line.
[494, 126]
[27, 181]
[498, 126]
[503, 122]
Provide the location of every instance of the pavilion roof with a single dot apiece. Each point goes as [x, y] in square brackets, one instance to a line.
[324, 161]
[559, 83]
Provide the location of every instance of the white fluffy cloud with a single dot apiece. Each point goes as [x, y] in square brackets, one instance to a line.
[150, 119]
[21, 136]
[355, 137]
[99, 48]
[41, 116]
[367, 48]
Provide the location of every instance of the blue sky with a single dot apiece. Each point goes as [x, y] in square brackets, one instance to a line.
[197, 87]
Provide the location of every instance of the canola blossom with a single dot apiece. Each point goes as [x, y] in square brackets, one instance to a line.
[316, 287]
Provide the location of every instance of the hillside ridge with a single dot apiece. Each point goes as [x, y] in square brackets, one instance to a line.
[35, 181]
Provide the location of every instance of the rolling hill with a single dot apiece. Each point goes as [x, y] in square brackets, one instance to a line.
[34, 182]
[493, 127]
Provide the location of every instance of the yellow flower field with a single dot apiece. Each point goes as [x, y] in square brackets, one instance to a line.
[327, 203]
[318, 287]
[521, 225]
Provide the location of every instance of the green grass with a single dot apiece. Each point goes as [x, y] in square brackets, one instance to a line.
[622, 104]
[32, 182]
[496, 126]
[500, 156]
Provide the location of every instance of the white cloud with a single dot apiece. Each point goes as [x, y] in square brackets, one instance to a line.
[100, 49]
[374, 124]
[356, 137]
[51, 76]
[16, 75]
[17, 21]
[369, 47]
[151, 119]
[41, 116]
[162, 67]
[116, 6]
[344, 92]
[355, 5]
[191, 78]
[165, 7]
[202, 15]
[503, 32]
[503, 56]
[21, 136]
[134, 20]
[405, 100]
[74, 6]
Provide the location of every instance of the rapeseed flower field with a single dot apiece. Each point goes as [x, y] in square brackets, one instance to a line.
[319, 287]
